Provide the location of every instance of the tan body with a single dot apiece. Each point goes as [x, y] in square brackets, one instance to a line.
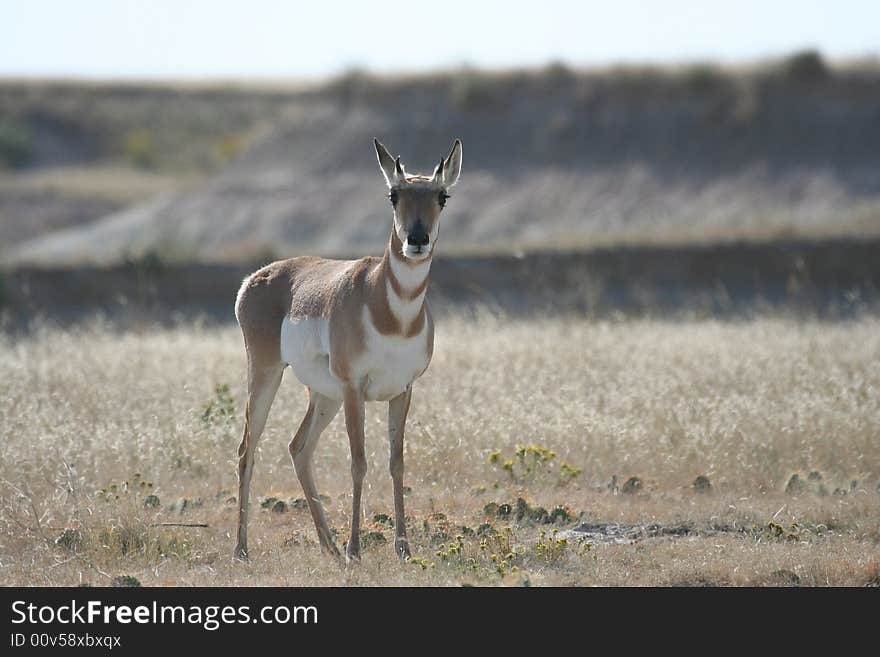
[351, 331]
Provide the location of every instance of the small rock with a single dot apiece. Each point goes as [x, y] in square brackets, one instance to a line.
[702, 484]
[491, 509]
[185, 504]
[632, 485]
[279, 507]
[814, 475]
[795, 485]
[300, 503]
[504, 510]
[267, 502]
[151, 501]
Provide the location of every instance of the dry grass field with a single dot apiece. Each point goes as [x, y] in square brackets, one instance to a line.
[105, 436]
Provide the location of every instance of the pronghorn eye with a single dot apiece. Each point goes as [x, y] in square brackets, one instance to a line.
[442, 199]
[393, 197]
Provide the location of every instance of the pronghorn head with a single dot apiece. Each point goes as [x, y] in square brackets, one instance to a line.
[418, 200]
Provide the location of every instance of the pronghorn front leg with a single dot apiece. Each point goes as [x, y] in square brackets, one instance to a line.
[397, 411]
[353, 404]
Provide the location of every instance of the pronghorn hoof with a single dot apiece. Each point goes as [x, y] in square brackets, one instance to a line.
[241, 554]
[352, 555]
[401, 545]
[331, 550]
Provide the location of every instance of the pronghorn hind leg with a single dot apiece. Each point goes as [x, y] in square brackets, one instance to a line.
[320, 413]
[354, 425]
[263, 382]
[397, 411]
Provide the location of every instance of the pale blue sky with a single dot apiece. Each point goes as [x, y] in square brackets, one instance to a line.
[276, 39]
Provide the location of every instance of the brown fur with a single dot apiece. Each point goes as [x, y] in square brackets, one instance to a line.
[418, 200]
[335, 290]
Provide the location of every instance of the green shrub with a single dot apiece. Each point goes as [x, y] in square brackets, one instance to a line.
[221, 409]
[125, 581]
[139, 149]
[150, 260]
[229, 146]
[702, 77]
[558, 73]
[15, 144]
[70, 539]
[534, 463]
[351, 84]
[473, 91]
[806, 66]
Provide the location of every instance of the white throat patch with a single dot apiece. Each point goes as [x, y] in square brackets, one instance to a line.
[410, 275]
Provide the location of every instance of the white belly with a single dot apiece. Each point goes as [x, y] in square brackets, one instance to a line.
[390, 363]
[386, 367]
[305, 346]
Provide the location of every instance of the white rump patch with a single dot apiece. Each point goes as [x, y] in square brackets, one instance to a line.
[238, 296]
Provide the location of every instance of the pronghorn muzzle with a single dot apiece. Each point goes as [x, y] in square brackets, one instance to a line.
[418, 237]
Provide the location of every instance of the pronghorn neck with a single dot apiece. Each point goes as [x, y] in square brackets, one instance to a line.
[403, 282]
[408, 277]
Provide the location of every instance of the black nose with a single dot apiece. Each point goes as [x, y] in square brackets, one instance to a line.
[418, 236]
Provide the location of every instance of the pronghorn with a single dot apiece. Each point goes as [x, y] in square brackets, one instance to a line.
[351, 331]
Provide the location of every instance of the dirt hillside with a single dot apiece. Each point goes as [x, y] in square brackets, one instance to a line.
[552, 159]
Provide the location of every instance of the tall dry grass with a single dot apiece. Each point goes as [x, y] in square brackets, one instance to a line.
[93, 422]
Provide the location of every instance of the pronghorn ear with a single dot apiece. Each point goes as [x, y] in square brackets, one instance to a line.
[437, 176]
[392, 169]
[452, 165]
